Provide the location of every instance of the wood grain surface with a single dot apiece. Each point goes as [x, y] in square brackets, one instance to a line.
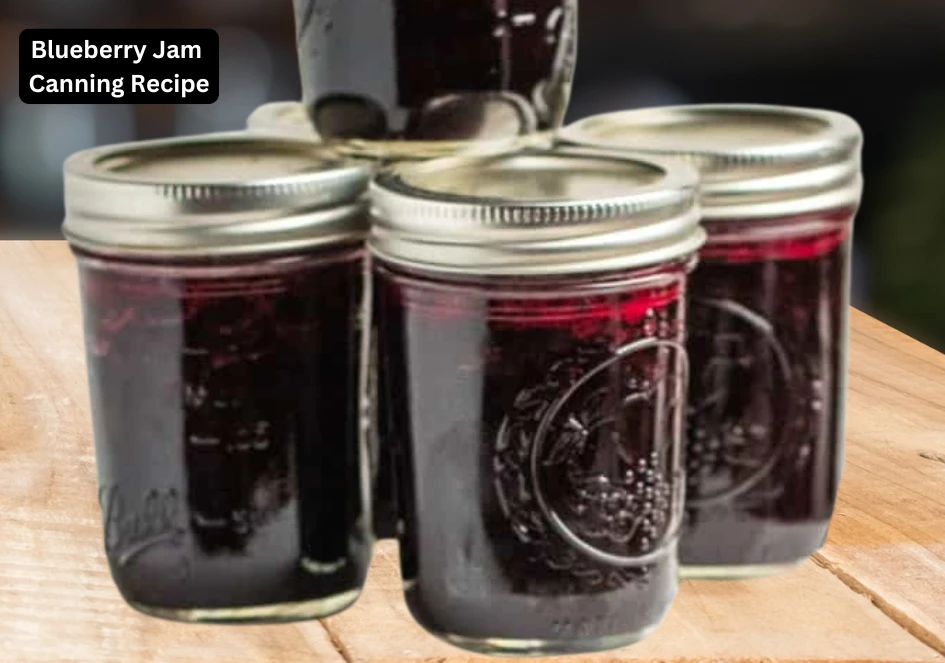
[876, 592]
[887, 539]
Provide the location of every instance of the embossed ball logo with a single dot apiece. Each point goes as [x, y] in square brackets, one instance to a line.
[740, 402]
[590, 457]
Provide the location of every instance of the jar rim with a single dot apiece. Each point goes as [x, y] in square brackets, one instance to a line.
[535, 211]
[227, 193]
[755, 161]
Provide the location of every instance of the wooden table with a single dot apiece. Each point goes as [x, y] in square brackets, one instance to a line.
[875, 592]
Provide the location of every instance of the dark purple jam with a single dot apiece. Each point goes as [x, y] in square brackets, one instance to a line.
[536, 429]
[384, 498]
[767, 344]
[225, 407]
[429, 71]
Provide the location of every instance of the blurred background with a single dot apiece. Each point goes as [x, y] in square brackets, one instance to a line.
[882, 62]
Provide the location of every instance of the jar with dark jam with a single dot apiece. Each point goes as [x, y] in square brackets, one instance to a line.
[532, 377]
[767, 323]
[288, 118]
[222, 283]
[291, 119]
[409, 76]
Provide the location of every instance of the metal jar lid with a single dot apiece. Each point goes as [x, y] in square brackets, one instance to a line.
[282, 117]
[755, 161]
[211, 195]
[536, 212]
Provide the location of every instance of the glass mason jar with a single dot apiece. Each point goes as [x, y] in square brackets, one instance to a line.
[768, 320]
[532, 377]
[411, 76]
[290, 118]
[222, 282]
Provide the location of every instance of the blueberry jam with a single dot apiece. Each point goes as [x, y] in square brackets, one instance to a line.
[384, 497]
[767, 343]
[417, 70]
[224, 400]
[535, 427]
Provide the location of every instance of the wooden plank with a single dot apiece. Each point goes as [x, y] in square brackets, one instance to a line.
[57, 601]
[804, 615]
[887, 539]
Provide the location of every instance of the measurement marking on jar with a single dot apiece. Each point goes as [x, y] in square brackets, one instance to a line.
[586, 626]
[206, 522]
[323, 568]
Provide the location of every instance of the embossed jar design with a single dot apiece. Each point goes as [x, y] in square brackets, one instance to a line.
[401, 77]
[222, 283]
[532, 374]
[767, 323]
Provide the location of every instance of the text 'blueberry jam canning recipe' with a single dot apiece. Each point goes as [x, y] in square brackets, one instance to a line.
[767, 323]
[533, 393]
[223, 322]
